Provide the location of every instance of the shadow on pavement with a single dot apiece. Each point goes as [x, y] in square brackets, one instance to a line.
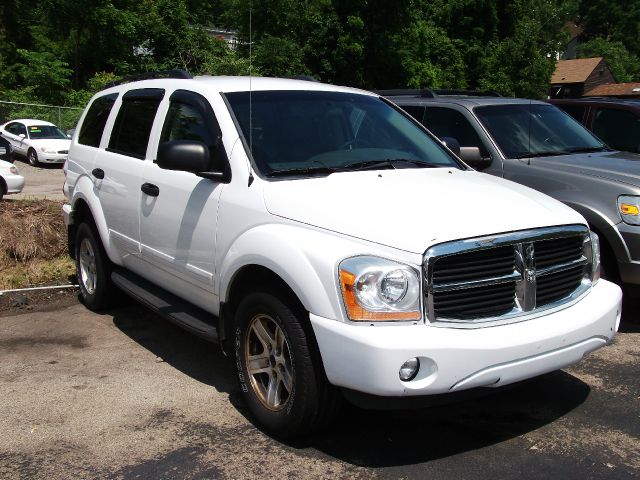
[371, 438]
[202, 361]
[383, 439]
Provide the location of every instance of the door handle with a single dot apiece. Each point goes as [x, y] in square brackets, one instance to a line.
[98, 173]
[150, 189]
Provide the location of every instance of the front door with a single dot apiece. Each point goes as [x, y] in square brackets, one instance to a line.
[178, 225]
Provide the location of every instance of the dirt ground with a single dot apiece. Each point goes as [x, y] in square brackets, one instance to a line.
[40, 182]
[125, 394]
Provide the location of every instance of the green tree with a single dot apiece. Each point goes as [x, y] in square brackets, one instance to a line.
[624, 65]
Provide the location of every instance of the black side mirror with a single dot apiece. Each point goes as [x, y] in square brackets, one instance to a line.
[473, 157]
[188, 156]
[452, 144]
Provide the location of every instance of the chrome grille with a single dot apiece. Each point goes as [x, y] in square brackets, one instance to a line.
[504, 276]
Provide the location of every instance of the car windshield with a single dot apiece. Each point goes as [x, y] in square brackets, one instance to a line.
[37, 132]
[529, 130]
[316, 132]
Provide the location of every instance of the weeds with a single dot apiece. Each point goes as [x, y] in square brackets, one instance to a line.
[33, 244]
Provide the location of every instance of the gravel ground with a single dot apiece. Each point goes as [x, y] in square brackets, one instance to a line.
[40, 182]
[126, 395]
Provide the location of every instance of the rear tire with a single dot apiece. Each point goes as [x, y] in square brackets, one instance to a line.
[2, 189]
[93, 269]
[281, 376]
[32, 156]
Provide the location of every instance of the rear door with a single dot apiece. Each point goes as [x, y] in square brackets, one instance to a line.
[178, 224]
[121, 164]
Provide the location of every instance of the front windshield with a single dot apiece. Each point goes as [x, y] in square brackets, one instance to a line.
[306, 132]
[37, 132]
[528, 130]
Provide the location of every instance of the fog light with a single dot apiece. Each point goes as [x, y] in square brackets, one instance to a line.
[409, 369]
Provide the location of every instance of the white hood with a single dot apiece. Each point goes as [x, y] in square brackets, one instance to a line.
[412, 209]
[56, 144]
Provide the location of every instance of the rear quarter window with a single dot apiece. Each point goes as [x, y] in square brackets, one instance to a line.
[132, 127]
[96, 119]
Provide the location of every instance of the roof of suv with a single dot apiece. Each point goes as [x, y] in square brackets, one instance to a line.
[464, 100]
[235, 84]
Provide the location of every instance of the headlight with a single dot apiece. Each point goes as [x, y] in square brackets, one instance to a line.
[377, 289]
[629, 208]
[595, 255]
[13, 169]
[47, 150]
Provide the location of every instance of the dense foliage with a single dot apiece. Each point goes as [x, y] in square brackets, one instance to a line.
[59, 51]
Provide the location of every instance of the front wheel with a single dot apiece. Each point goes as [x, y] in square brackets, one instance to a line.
[281, 377]
[32, 156]
[93, 269]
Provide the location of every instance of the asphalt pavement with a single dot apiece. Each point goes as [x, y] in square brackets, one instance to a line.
[125, 394]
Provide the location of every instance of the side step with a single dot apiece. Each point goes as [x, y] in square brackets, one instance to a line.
[171, 307]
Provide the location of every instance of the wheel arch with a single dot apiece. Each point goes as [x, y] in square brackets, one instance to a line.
[87, 207]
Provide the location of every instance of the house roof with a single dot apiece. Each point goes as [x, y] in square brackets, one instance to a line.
[574, 71]
[615, 89]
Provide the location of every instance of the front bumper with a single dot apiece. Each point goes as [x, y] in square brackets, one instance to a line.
[52, 157]
[15, 183]
[367, 358]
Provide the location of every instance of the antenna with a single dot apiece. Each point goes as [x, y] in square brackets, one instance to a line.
[250, 93]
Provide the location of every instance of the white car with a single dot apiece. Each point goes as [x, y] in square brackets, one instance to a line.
[328, 242]
[10, 179]
[37, 140]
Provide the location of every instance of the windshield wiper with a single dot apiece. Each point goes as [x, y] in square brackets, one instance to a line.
[542, 154]
[588, 149]
[302, 171]
[386, 163]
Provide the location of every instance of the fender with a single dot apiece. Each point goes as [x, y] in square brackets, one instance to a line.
[280, 249]
[604, 226]
[84, 189]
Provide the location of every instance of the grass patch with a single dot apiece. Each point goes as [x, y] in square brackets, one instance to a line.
[33, 244]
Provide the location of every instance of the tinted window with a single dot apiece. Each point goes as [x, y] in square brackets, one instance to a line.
[130, 134]
[576, 111]
[446, 122]
[188, 122]
[415, 111]
[39, 132]
[620, 129]
[95, 120]
[17, 128]
[298, 130]
[529, 130]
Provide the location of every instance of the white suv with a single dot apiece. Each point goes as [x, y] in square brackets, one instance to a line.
[327, 241]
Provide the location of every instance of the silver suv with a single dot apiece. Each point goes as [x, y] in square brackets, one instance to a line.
[540, 146]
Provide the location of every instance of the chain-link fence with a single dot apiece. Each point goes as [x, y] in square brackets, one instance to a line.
[64, 117]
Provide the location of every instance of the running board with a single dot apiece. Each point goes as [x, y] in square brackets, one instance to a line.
[168, 305]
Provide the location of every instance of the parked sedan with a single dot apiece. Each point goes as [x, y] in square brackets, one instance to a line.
[37, 140]
[5, 150]
[10, 179]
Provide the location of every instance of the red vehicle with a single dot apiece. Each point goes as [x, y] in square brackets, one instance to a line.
[615, 121]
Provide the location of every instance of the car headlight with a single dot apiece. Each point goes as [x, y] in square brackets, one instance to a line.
[629, 208]
[47, 150]
[595, 258]
[375, 289]
[13, 170]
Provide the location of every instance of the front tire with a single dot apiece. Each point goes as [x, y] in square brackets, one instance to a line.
[32, 156]
[93, 269]
[281, 377]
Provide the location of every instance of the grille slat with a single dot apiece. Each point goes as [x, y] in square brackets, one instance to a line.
[496, 296]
